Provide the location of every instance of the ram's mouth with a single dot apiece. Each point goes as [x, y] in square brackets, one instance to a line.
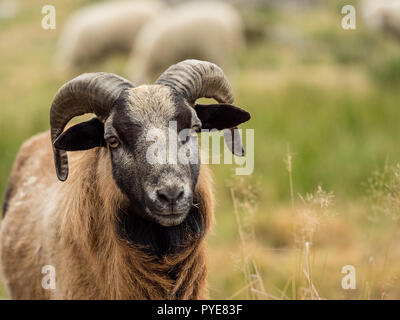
[167, 218]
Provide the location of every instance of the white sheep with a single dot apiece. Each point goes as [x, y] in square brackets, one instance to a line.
[210, 31]
[101, 28]
[383, 15]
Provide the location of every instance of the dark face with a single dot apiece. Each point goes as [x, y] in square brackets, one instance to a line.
[145, 125]
[151, 136]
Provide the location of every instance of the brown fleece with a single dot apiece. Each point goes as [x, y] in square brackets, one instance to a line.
[71, 226]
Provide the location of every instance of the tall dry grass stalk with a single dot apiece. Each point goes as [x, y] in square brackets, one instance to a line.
[244, 206]
[289, 157]
[307, 217]
[311, 214]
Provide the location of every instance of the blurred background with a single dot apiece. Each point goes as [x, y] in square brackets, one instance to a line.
[325, 191]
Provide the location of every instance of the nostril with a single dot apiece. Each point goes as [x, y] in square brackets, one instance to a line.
[170, 196]
[180, 195]
[162, 196]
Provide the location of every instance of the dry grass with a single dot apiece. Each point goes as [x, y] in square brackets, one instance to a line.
[316, 240]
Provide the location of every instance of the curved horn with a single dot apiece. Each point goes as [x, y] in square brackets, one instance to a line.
[88, 93]
[197, 79]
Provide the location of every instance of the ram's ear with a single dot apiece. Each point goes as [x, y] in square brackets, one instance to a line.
[83, 136]
[224, 116]
[220, 116]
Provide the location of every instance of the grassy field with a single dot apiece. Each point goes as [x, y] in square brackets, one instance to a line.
[325, 191]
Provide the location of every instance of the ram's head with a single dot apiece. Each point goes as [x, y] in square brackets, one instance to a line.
[130, 119]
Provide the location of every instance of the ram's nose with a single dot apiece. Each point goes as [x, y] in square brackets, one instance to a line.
[170, 195]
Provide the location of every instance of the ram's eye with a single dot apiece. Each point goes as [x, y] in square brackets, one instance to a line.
[113, 142]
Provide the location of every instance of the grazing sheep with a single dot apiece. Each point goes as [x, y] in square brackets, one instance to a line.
[383, 15]
[261, 3]
[119, 227]
[201, 30]
[8, 9]
[98, 29]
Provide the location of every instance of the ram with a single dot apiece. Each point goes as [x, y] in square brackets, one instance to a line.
[99, 29]
[120, 226]
[204, 30]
